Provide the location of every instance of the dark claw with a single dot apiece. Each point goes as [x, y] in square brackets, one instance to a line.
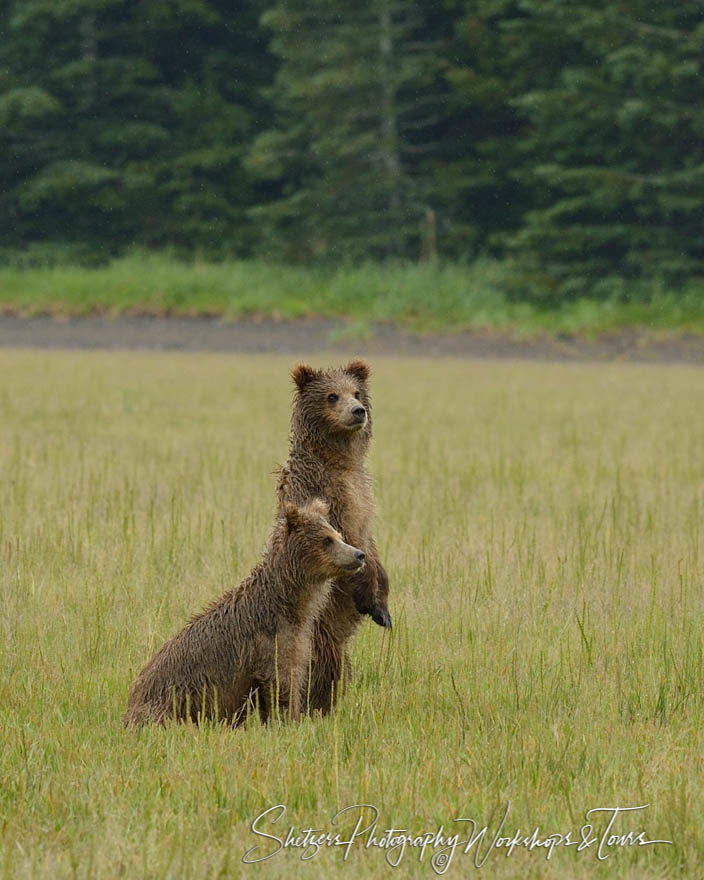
[381, 615]
[378, 613]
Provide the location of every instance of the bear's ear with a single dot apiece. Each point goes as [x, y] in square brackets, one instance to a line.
[319, 506]
[292, 516]
[302, 374]
[359, 369]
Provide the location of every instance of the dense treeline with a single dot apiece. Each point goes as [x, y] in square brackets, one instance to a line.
[566, 135]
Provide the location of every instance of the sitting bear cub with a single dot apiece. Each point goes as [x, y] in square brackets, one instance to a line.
[252, 646]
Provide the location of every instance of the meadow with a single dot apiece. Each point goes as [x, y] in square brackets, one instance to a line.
[485, 294]
[542, 529]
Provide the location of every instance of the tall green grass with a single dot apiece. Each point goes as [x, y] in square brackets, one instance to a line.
[542, 528]
[422, 296]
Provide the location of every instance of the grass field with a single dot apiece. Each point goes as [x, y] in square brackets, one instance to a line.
[542, 528]
[420, 296]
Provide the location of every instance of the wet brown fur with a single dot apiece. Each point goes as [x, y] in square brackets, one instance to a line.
[251, 646]
[327, 460]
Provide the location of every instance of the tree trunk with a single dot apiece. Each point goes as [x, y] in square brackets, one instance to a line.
[390, 153]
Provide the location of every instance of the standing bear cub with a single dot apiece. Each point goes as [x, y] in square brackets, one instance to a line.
[331, 430]
[252, 646]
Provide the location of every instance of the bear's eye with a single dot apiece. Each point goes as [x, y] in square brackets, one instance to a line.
[328, 541]
[333, 398]
[357, 395]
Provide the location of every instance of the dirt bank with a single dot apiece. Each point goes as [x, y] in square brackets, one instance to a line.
[314, 334]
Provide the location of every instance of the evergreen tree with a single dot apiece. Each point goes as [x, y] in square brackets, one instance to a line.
[613, 154]
[360, 98]
[498, 55]
[126, 122]
[565, 132]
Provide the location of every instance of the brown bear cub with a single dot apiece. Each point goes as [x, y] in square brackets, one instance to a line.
[331, 430]
[252, 646]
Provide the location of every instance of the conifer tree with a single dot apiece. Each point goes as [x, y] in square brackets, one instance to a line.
[613, 153]
[124, 122]
[359, 98]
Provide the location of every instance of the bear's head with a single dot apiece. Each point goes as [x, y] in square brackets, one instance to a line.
[315, 547]
[333, 403]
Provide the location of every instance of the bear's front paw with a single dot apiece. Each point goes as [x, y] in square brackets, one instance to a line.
[362, 599]
[378, 611]
[380, 615]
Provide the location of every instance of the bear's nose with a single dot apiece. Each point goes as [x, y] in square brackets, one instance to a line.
[359, 555]
[359, 412]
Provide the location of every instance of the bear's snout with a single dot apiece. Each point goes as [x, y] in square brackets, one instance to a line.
[359, 412]
[352, 559]
[357, 563]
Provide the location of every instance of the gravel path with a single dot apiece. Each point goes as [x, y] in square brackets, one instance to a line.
[312, 335]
